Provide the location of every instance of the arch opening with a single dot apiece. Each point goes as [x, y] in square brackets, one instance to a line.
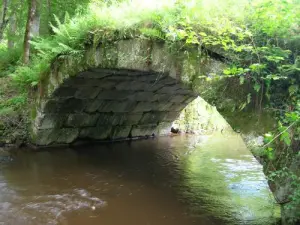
[110, 104]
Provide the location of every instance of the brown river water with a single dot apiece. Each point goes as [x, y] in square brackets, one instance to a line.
[180, 180]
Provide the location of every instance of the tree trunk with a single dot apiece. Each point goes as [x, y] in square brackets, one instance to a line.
[32, 9]
[3, 19]
[12, 31]
[49, 16]
[35, 29]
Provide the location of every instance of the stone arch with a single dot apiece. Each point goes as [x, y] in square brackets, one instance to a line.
[124, 89]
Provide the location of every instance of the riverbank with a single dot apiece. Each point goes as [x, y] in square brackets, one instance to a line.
[13, 114]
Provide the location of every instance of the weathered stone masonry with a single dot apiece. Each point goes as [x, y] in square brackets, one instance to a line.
[130, 88]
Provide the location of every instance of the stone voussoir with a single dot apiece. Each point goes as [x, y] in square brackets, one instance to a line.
[117, 106]
[144, 107]
[87, 92]
[114, 94]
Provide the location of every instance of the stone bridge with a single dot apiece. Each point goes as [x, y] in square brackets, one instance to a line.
[124, 89]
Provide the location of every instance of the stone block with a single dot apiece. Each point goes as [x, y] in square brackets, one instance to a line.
[98, 133]
[79, 82]
[144, 130]
[162, 97]
[167, 80]
[132, 85]
[178, 98]
[175, 70]
[114, 95]
[119, 78]
[161, 59]
[50, 106]
[117, 106]
[171, 116]
[133, 118]
[149, 78]
[106, 84]
[92, 105]
[163, 106]
[72, 105]
[121, 132]
[55, 79]
[107, 55]
[111, 119]
[93, 74]
[66, 135]
[144, 107]
[169, 89]
[49, 121]
[184, 91]
[152, 117]
[134, 54]
[58, 136]
[190, 99]
[63, 92]
[82, 120]
[43, 137]
[87, 92]
[178, 107]
[112, 71]
[124, 85]
[154, 86]
[142, 96]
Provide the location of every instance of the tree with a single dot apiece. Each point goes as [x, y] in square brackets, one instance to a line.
[32, 27]
[12, 30]
[4, 20]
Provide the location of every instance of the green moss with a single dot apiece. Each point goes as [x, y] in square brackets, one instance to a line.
[33, 113]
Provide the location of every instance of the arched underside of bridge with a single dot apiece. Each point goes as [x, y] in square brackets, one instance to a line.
[126, 89]
[104, 104]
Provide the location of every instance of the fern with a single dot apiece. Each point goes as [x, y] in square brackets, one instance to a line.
[153, 33]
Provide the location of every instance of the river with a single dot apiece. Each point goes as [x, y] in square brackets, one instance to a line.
[179, 180]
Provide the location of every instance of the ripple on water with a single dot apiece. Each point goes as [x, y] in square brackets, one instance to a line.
[47, 209]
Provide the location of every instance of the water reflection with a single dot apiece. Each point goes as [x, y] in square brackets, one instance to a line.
[168, 181]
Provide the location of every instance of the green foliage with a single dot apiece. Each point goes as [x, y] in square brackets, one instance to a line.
[9, 59]
[275, 18]
[12, 104]
[286, 175]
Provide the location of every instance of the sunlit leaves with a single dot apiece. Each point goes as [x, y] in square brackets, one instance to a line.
[284, 134]
[293, 116]
[293, 89]
[257, 67]
[257, 87]
[274, 17]
[234, 70]
[268, 137]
